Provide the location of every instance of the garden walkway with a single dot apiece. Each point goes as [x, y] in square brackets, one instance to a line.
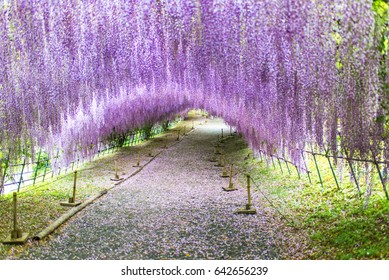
[174, 208]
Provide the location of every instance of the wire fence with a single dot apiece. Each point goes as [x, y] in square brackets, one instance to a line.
[353, 164]
[27, 172]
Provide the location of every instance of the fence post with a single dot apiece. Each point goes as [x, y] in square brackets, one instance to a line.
[317, 167]
[306, 166]
[382, 179]
[21, 173]
[287, 166]
[279, 163]
[271, 156]
[298, 172]
[352, 172]
[4, 174]
[332, 169]
[55, 164]
[44, 173]
[37, 165]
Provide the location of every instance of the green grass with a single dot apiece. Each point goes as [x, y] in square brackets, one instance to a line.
[339, 224]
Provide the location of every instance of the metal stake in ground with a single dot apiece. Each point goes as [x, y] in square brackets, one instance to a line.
[249, 209]
[72, 200]
[16, 236]
[116, 178]
[230, 184]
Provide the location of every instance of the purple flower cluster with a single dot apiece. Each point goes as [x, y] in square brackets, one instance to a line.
[285, 73]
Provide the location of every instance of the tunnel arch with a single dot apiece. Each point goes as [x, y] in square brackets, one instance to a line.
[284, 73]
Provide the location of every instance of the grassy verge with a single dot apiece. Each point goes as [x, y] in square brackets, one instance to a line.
[320, 222]
[39, 205]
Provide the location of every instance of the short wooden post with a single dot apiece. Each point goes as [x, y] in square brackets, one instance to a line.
[72, 200]
[230, 184]
[248, 209]
[178, 135]
[220, 162]
[138, 160]
[213, 158]
[74, 187]
[192, 124]
[224, 172]
[16, 236]
[116, 176]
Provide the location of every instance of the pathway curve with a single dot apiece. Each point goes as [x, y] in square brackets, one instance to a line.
[173, 209]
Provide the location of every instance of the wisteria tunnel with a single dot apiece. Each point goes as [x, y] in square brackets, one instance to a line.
[288, 98]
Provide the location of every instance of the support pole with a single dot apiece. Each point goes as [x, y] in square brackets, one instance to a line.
[74, 188]
[248, 209]
[16, 236]
[220, 163]
[116, 177]
[138, 160]
[178, 135]
[72, 200]
[230, 184]
[224, 172]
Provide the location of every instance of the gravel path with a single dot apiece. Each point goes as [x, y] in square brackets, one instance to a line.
[173, 209]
